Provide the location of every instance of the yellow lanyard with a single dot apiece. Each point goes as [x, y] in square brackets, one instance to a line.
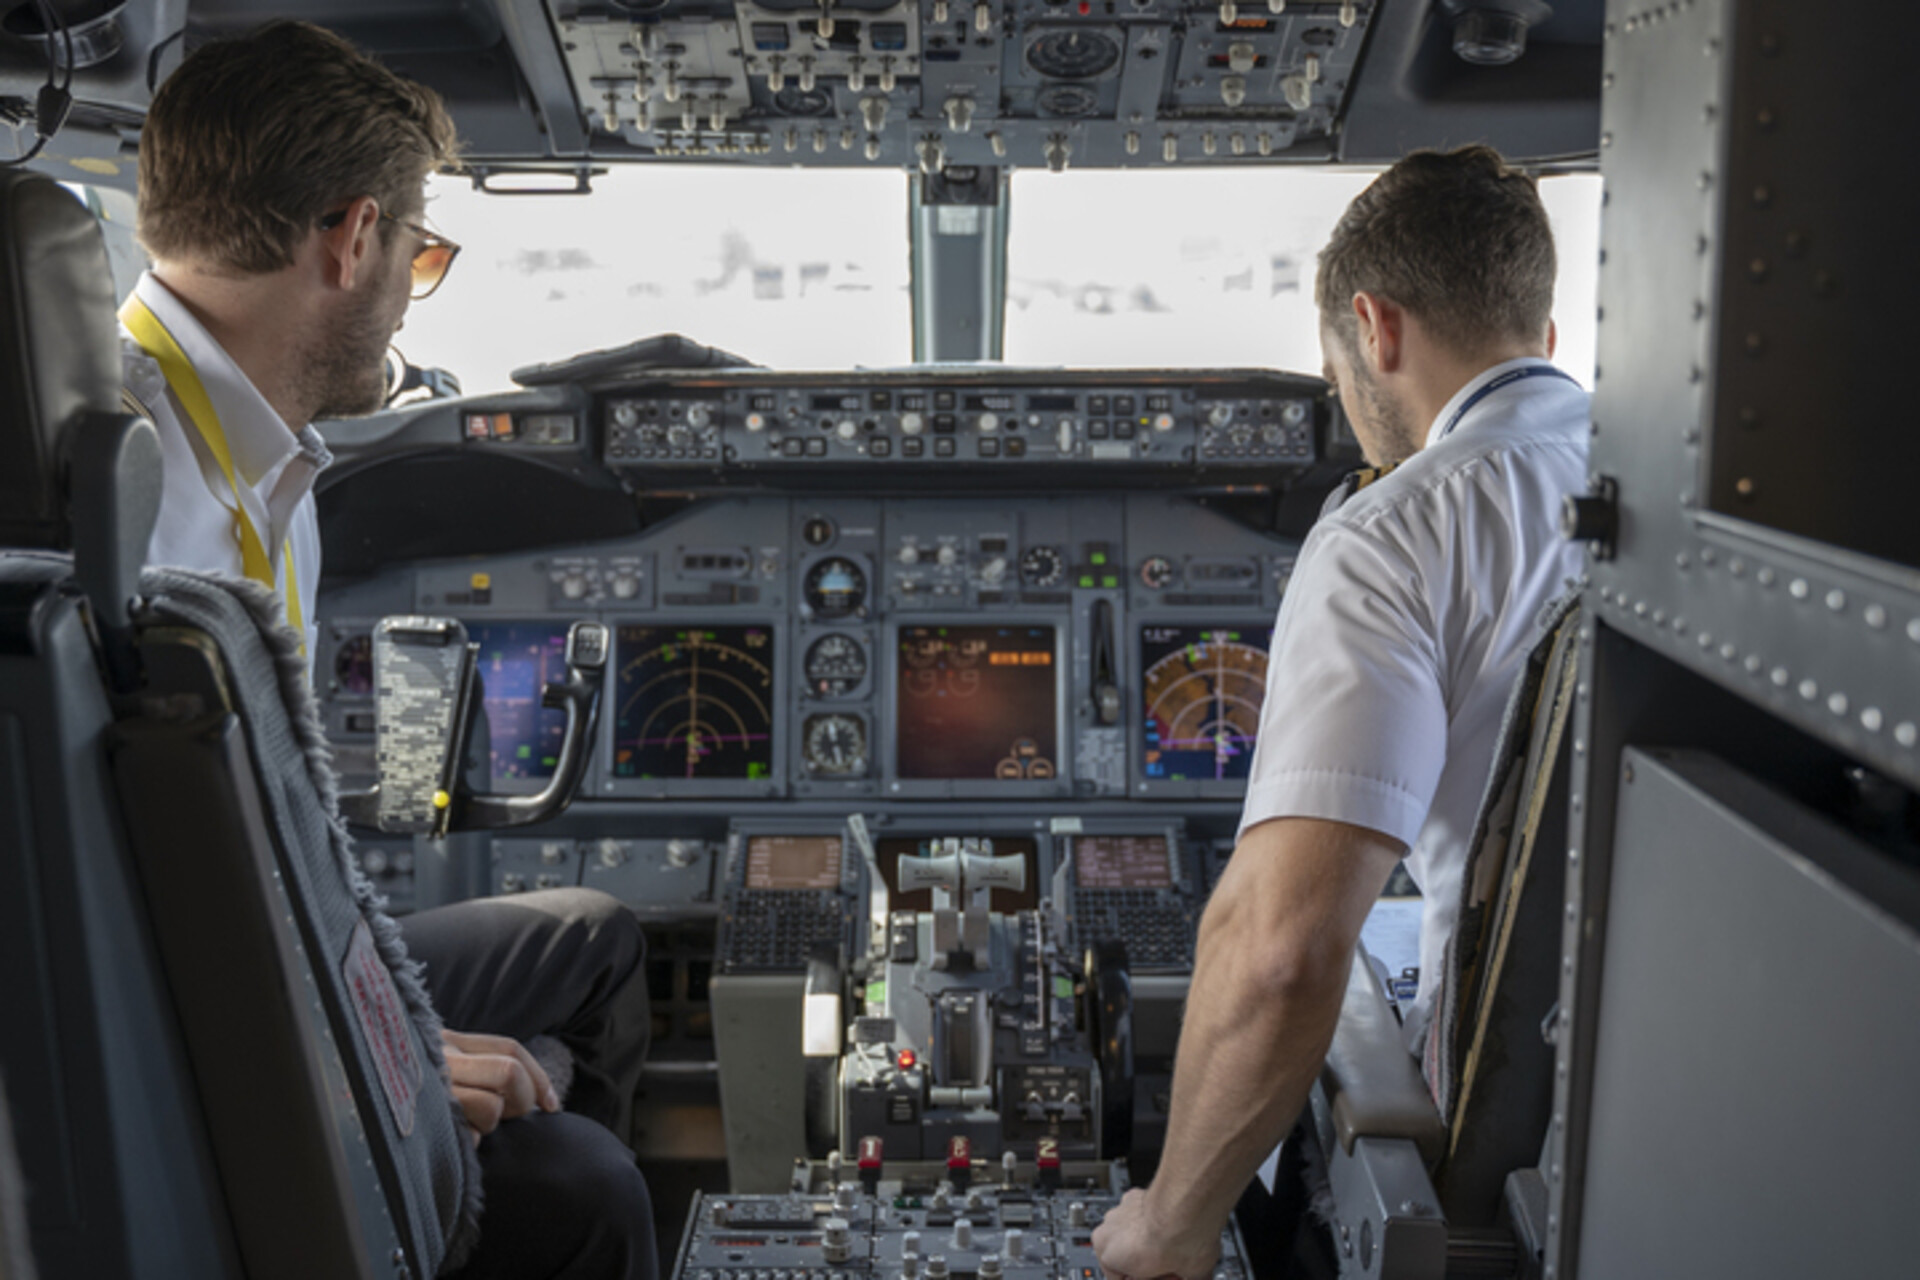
[192, 395]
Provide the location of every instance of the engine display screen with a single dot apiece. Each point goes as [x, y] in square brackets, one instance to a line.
[793, 862]
[516, 662]
[978, 702]
[1201, 690]
[890, 850]
[1121, 862]
[694, 702]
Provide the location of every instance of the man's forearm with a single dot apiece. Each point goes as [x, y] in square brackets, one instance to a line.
[1276, 946]
[1250, 1046]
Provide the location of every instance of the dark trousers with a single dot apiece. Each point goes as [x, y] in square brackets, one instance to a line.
[564, 1198]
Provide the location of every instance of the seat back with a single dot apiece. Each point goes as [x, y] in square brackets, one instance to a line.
[1489, 1059]
[118, 1176]
[221, 1062]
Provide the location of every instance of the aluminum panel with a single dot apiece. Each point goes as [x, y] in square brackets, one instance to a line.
[1712, 370]
[1750, 951]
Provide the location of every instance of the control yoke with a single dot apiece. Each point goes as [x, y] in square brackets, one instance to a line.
[427, 701]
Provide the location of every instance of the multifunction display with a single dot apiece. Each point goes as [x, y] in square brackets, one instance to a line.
[694, 702]
[978, 702]
[1121, 862]
[1201, 689]
[516, 662]
[793, 862]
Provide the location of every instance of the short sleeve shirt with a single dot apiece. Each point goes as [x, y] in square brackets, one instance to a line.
[1407, 622]
[274, 463]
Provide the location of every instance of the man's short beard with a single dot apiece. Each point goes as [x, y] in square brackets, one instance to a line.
[346, 376]
[1397, 438]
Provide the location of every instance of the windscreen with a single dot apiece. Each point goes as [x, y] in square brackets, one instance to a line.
[793, 269]
[1214, 268]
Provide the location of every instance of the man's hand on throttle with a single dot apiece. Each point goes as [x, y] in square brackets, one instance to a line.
[495, 1079]
[1132, 1245]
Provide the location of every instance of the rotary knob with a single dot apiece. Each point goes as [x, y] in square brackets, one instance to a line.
[847, 429]
[1220, 414]
[626, 586]
[994, 569]
[946, 555]
[836, 1245]
[698, 416]
[626, 414]
[909, 554]
[574, 585]
[679, 435]
[681, 853]
[912, 424]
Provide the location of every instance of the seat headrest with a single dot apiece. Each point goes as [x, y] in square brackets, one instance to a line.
[59, 350]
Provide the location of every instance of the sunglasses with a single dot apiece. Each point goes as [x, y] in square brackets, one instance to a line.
[430, 261]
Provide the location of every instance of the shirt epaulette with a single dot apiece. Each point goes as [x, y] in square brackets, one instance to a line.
[1359, 479]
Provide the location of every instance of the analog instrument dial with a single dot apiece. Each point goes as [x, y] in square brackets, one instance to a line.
[835, 665]
[835, 745]
[835, 588]
[1042, 566]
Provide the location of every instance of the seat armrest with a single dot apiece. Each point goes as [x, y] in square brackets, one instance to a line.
[1372, 1084]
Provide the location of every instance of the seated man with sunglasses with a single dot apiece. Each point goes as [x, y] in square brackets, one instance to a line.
[282, 184]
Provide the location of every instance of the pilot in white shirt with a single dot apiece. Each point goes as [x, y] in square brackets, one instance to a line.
[274, 464]
[1411, 614]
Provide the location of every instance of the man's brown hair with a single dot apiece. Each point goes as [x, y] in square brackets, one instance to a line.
[1457, 238]
[255, 138]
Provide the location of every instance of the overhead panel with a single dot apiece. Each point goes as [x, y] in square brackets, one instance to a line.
[1109, 83]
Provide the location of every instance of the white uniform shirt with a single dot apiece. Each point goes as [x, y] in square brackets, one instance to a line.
[1409, 617]
[275, 466]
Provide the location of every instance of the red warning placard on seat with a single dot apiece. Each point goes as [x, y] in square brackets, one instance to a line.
[385, 1023]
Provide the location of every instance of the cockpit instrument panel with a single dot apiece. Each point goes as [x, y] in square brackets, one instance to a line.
[1156, 429]
[862, 650]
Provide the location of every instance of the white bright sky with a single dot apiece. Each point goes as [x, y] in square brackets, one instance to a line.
[799, 269]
